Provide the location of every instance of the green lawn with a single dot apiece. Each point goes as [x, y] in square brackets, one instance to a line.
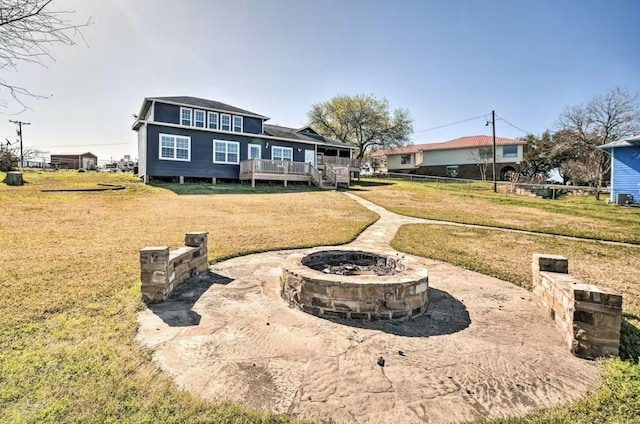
[70, 276]
[475, 203]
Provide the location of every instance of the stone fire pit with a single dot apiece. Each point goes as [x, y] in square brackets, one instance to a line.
[354, 284]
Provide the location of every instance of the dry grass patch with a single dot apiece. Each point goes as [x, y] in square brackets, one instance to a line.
[580, 216]
[69, 275]
[507, 256]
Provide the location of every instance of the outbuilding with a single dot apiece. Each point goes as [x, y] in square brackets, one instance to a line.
[74, 160]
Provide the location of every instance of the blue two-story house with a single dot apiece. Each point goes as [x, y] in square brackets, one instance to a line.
[188, 137]
[625, 169]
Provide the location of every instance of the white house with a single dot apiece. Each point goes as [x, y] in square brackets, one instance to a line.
[462, 157]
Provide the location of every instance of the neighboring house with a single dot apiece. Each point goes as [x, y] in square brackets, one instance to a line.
[405, 159]
[378, 161]
[625, 169]
[74, 160]
[459, 158]
[192, 137]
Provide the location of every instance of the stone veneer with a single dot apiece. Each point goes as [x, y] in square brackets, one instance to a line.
[162, 270]
[368, 297]
[588, 316]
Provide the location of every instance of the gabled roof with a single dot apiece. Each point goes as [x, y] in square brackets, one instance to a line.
[458, 143]
[73, 154]
[471, 141]
[308, 130]
[623, 142]
[206, 104]
[295, 134]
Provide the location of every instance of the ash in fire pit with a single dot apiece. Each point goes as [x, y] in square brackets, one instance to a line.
[352, 284]
[352, 263]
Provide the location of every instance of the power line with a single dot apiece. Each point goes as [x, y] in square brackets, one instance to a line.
[448, 125]
[92, 145]
[516, 127]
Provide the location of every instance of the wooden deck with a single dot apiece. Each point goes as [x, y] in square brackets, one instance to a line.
[278, 170]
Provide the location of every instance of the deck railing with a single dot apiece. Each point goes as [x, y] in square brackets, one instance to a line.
[316, 176]
[268, 166]
[331, 175]
[336, 161]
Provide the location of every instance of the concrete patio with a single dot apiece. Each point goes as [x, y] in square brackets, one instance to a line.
[482, 349]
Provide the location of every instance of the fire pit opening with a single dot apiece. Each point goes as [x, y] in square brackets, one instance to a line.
[352, 263]
[353, 284]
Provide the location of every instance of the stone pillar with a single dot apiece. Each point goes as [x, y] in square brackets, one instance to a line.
[588, 316]
[154, 273]
[597, 321]
[200, 257]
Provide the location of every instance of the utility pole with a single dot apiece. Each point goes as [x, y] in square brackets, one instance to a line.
[493, 125]
[20, 124]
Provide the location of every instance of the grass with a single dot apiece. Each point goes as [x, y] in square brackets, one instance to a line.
[231, 188]
[69, 278]
[475, 203]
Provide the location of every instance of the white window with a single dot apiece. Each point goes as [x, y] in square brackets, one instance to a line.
[452, 171]
[510, 151]
[255, 151]
[175, 147]
[198, 118]
[281, 153]
[237, 123]
[213, 120]
[185, 116]
[225, 122]
[226, 151]
[405, 159]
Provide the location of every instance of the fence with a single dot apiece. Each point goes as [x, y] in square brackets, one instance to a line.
[503, 186]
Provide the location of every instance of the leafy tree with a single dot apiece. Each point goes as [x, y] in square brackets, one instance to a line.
[27, 29]
[542, 154]
[605, 118]
[362, 121]
[538, 159]
[8, 158]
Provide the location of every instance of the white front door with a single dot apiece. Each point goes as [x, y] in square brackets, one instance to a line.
[255, 151]
[310, 157]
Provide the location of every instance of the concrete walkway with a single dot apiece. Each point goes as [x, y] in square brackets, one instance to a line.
[411, 220]
[482, 349]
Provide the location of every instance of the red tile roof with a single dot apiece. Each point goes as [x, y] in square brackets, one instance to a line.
[471, 141]
[458, 143]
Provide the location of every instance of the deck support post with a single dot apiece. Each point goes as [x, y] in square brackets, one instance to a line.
[214, 181]
[181, 179]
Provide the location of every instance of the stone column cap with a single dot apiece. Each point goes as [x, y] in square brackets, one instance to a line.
[545, 255]
[154, 249]
[196, 233]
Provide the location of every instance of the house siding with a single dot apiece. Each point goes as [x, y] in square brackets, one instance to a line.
[463, 157]
[394, 162]
[142, 152]
[625, 172]
[170, 113]
[469, 171]
[166, 113]
[201, 163]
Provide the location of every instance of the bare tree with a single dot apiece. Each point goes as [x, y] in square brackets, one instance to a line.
[482, 157]
[605, 118]
[28, 29]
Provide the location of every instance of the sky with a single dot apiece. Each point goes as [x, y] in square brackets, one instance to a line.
[444, 60]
